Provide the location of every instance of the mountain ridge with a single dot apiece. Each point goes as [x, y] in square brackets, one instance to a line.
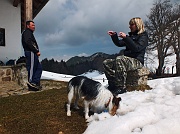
[77, 65]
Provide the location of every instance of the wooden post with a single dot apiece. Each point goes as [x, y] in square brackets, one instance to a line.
[28, 7]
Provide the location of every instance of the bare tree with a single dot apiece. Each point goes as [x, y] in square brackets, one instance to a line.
[158, 26]
[174, 30]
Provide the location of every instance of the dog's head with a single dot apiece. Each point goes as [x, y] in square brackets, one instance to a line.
[115, 105]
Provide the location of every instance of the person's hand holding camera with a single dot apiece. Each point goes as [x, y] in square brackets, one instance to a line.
[122, 35]
[111, 33]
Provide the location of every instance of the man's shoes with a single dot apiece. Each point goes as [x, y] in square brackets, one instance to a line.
[39, 86]
[33, 87]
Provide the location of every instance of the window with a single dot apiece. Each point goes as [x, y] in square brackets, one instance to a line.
[2, 37]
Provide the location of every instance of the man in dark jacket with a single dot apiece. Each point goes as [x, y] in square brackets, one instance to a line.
[133, 58]
[31, 51]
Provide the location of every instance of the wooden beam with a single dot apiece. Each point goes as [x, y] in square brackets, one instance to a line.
[40, 6]
[16, 2]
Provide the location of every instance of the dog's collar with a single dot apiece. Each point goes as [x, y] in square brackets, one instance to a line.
[107, 104]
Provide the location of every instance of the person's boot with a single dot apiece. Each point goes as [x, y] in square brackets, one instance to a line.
[111, 86]
[115, 90]
[32, 87]
[120, 90]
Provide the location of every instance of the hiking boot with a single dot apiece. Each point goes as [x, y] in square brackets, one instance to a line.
[116, 90]
[32, 87]
[39, 87]
[120, 91]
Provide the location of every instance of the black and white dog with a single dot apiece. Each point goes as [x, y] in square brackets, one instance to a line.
[93, 93]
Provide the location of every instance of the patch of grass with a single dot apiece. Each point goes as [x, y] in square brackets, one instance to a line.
[40, 113]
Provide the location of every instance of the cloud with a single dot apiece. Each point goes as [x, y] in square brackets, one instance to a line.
[76, 22]
[83, 54]
[73, 27]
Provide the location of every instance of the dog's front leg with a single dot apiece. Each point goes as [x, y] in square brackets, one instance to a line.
[86, 109]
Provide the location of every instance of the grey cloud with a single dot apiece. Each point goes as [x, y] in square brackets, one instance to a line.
[80, 22]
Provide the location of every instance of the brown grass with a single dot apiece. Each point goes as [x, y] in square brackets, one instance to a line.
[40, 113]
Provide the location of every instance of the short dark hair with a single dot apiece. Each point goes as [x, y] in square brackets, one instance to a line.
[28, 22]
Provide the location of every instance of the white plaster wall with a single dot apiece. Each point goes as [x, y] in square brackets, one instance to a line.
[10, 19]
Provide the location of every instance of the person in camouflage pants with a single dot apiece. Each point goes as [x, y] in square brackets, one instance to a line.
[132, 59]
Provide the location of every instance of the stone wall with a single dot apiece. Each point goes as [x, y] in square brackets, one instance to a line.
[16, 73]
[6, 73]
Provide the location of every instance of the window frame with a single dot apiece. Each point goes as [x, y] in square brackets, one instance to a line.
[2, 37]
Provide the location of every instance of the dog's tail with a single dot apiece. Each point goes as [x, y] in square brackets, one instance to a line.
[69, 87]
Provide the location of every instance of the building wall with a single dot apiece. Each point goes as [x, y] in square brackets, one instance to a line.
[10, 19]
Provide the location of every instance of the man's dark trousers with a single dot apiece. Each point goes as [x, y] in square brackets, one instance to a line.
[34, 67]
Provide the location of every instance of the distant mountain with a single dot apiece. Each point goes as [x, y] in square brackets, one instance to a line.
[77, 59]
[77, 65]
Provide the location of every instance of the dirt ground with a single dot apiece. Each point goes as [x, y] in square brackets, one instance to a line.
[49, 112]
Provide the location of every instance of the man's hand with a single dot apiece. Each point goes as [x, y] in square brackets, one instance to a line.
[38, 54]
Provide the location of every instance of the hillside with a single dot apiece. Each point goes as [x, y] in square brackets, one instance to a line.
[77, 65]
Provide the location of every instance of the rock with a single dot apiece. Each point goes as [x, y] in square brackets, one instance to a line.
[137, 79]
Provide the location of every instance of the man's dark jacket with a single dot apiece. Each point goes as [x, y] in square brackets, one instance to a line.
[29, 42]
[135, 45]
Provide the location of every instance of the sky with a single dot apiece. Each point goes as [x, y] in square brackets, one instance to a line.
[155, 111]
[67, 28]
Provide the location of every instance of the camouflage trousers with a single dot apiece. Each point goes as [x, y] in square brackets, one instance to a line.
[116, 70]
